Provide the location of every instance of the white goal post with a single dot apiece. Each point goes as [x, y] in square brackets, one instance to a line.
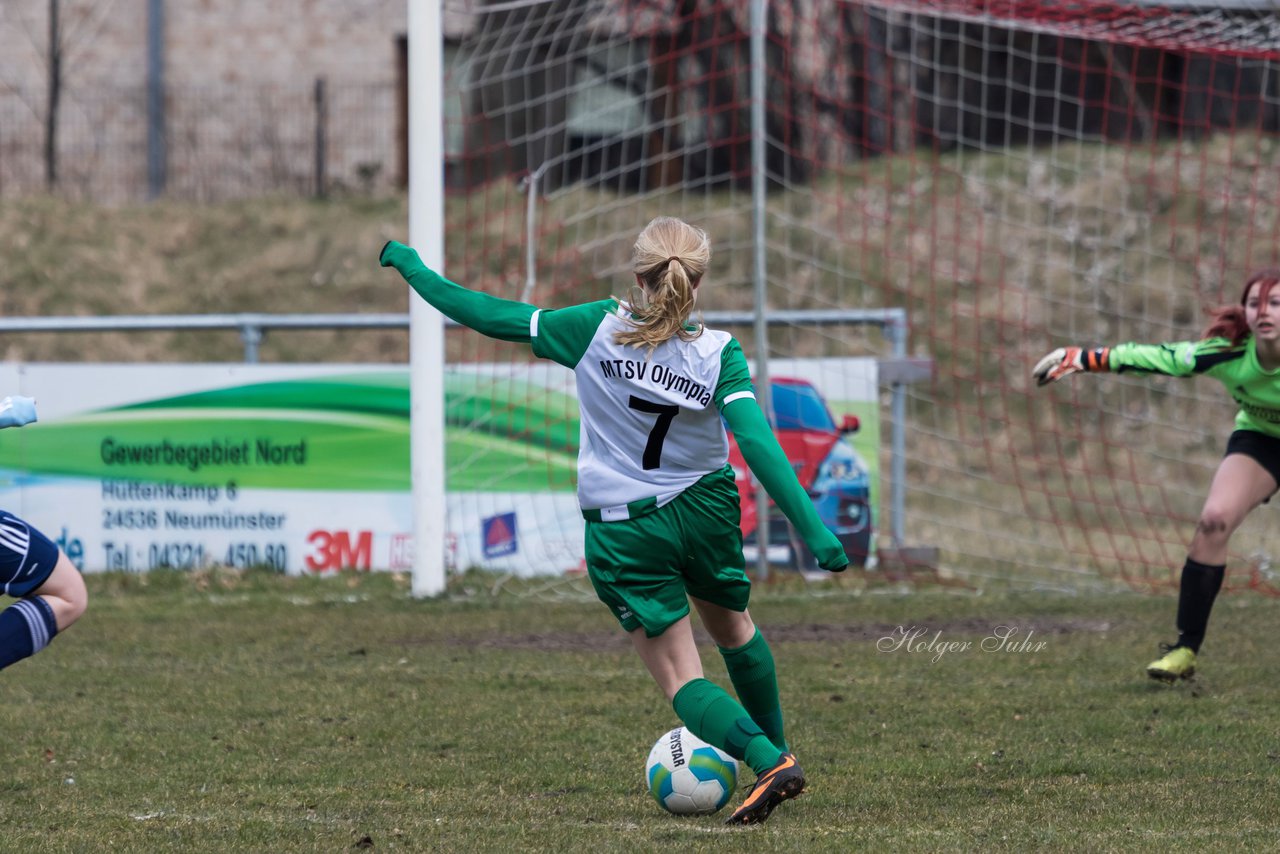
[426, 325]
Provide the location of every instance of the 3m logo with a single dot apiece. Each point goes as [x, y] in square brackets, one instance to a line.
[499, 534]
[334, 550]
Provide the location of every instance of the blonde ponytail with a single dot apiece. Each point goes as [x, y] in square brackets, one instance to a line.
[669, 257]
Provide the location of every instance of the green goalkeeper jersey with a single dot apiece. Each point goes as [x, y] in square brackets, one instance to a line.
[1256, 391]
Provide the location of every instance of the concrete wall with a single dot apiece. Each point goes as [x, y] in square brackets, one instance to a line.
[209, 41]
[239, 80]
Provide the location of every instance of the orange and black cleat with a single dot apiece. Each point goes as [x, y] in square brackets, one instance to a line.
[782, 782]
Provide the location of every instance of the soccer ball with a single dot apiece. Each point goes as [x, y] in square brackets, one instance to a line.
[687, 776]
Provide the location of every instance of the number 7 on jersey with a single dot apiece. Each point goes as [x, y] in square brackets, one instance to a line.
[665, 412]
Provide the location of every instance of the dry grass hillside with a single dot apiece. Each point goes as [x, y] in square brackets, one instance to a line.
[275, 256]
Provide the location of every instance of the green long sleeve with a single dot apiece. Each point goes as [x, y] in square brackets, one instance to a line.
[769, 464]
[1176, 359]
[506, 320]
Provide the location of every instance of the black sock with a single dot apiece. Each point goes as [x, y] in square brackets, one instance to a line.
[1199, 587]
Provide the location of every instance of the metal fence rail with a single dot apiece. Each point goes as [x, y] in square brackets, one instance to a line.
[252, 326]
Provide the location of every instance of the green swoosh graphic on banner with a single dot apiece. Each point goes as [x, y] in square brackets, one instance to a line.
[382, 393]
[342, 432]
[513, 408]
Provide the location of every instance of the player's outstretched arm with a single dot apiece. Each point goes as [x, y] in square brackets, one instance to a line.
[1069, 360]
[767, 461]
[16, 410]
[506, 320]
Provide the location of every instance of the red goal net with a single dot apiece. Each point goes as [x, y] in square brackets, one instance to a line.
[1015, 176]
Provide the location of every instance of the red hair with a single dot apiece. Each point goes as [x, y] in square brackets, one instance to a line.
[1229, 321]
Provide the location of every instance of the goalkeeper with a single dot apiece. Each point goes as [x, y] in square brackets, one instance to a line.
[655, 487]
[50, 591]
[1241, 349]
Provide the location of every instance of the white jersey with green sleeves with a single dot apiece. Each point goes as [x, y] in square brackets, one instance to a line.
[650, 424]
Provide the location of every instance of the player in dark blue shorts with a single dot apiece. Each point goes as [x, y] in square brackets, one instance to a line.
[50, 591]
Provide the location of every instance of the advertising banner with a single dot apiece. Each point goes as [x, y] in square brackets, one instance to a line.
[305, 468]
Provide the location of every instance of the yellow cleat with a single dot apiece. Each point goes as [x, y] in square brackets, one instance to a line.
[1177, 663]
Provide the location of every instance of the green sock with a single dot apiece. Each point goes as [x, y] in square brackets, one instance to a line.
[719, 720]
[755, 678]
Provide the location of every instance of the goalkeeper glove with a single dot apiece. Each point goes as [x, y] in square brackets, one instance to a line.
[16, 410]
[1068, 360]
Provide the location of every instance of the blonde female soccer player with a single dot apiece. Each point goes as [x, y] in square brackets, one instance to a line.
[655, 487]
[50, 591]
[1241, 349]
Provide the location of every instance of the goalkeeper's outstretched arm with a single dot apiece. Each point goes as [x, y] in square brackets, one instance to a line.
[769, 464]
[506, 320]
[1174, 359]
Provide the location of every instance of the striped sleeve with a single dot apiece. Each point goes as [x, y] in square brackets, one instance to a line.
[735, 376]
[564, 334]
[1177, 359]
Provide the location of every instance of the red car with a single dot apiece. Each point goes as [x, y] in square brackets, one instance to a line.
[829, 469]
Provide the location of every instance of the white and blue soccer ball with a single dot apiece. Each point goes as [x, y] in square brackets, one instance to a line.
[687, 776]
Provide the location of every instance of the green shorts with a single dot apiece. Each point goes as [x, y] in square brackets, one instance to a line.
[645, 569]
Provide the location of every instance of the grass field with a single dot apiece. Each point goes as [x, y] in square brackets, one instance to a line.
[252, 712]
